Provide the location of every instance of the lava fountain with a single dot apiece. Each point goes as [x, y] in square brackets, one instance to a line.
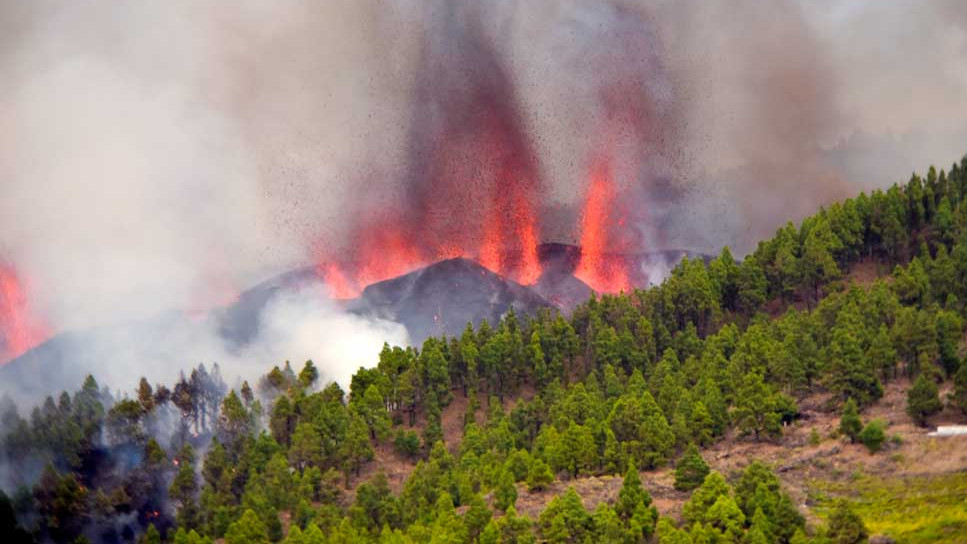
[472, 182]
[20, 329]
[605, 272]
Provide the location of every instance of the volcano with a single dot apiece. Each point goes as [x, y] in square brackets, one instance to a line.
[443, 297]
[435, 300]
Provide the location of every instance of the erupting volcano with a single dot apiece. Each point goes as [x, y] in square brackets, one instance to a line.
[20, 329]
[473, 184]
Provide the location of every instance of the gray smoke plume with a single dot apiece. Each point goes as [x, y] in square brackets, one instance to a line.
[169, 154]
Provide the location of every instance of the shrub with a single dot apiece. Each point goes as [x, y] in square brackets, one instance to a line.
[872, 436]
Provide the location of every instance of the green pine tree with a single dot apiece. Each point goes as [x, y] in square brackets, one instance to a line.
[845, 527]
[850, 423]
[923, 399]
[691, 470]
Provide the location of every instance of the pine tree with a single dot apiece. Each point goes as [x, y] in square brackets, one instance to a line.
[850, 423]
[151, 535]
[146, 396]
[850, 373]
[704, 497]
[356, 449]
[726, 518]
[306, 448]
[667, 533]
[607, 527]
[234, 423]
[282, 420]
[308, 375]
[565, 519]
[691, 470]
[872, 436]
[536, 360]
[701, 425]
[539, 476]
[756, 407]
[505, 495]
[923, 400]
[881, 354]
[960, 388]
[184, 489]
[478, 516]
[372, 409]
[634, 506]
[249, 529]
[845, 527]
[817, 265]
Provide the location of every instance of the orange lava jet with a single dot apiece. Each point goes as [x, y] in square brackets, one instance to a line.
[381, 251]
[20, 330]
[512, 223]
[386, 252]
[604, 272]
[510, 231]
[336, 281]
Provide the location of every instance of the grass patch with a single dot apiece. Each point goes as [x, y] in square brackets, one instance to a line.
[910, 510]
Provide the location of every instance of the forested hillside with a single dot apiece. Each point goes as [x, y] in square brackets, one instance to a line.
[865, 295]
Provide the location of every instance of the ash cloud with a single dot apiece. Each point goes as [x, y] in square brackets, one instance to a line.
[796, 104]
[168, 155]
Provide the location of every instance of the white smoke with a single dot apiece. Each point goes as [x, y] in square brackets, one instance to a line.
[297, 325]
[305, 324]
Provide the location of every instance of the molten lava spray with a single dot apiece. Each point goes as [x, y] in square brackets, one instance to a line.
[19, 328]
[605, 272]
[340, 287]
[381, 249]
[473, 182]
[510, 236]
[386, 251]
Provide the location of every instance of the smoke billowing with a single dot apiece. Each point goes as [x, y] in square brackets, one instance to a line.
[169, 155]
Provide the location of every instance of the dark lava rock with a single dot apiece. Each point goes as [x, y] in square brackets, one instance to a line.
[443, 297]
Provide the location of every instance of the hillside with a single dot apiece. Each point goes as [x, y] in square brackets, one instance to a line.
[783, 398]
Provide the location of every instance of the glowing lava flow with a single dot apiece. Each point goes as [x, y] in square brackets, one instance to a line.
[603, 272]
[19, 328]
